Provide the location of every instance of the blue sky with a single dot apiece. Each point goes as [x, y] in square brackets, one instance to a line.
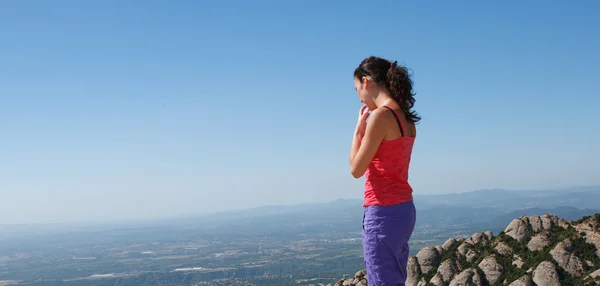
[129, 109]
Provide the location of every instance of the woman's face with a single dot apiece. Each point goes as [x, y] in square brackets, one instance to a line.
[362, 89]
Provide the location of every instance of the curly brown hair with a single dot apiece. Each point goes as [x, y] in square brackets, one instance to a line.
[395, 78]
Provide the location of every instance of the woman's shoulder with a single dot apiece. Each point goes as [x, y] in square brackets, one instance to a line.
[393, 117]
[380, 115]
[387, 112]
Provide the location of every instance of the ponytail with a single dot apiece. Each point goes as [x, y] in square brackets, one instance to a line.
[399, 84]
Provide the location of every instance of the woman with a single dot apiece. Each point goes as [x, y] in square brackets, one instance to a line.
[381, 150]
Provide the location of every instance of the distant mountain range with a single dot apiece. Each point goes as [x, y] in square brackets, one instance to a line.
[482, 208]
[496, 204]
[336, 223]
[580, 197]
[487, 209]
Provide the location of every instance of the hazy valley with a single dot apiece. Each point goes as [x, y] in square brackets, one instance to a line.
[277, 245]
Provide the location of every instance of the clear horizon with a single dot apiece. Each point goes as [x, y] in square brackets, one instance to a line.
[122, 110]
[85, 223]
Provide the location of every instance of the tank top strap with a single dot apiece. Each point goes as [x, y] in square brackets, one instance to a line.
[397, 119]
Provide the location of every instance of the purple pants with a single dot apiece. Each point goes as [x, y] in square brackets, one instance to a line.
[385, 235]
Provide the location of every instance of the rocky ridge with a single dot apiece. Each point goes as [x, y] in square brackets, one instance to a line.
[532, 250]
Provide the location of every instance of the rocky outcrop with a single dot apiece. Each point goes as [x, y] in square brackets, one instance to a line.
[492, 270]
[593, 278]
[548, 220]
[592, 236]
[536, 223]
[439, 249]
[517, 261]
[471, 255]
[534, 250]
[412, 271]
[359, 279]
[518, 229]
[503, 249]
[467, 277]
[437, 280]
[463, 248]
[538, 242]
[523, 281]
[546, 274]
[447, 270]
[477, 237]
[449, 243]
[428, 258]
[563, 255]
[488, 235]
[523, 227]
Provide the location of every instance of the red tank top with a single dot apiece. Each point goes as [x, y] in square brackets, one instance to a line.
[387, 175]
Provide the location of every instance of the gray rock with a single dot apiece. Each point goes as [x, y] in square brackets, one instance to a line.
[536, 223]
[489, 235]
[437, 280]
[563, 223]
[466, 278]
[546, 274]
[428, 258]
[463, 279]
[492, 269]
[518, 261]
[412, 269]
[439, 249]
[538, 242]
[548, 220]
[463, 248]
[448, 243]
[471, 254]
[562, 254]
[518, 229]
[523, 281]
[447, 270]
[360, 274]
[476, 238]
[477, 279]
[595, 274]
[591, 236]
[503, 249]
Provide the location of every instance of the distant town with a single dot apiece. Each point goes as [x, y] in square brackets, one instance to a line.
[295, 246]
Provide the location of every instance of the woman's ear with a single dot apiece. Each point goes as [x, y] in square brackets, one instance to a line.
[365, 81]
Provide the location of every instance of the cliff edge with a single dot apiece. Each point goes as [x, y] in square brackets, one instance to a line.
[532, 250]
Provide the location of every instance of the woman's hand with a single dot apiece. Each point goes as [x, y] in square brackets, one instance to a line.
[367, 139]
[361, 125]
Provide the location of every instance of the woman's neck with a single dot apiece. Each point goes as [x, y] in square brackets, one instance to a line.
[387, 102]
